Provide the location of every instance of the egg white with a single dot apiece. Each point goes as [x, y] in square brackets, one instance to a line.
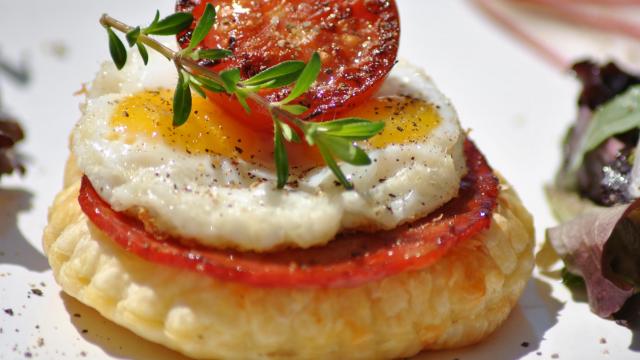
[223, 206]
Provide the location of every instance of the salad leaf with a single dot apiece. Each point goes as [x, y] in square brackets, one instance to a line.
[602, 246]
[566, 205]
[615, 117]
[571, 280]
[599, 240]
[601, 83]
[629, 315]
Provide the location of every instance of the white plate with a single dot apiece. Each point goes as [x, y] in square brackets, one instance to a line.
[516, 105]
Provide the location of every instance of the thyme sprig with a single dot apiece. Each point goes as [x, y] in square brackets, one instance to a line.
[335, 140]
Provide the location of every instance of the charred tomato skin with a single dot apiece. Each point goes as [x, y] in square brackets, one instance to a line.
[357, 40]
[349, 260]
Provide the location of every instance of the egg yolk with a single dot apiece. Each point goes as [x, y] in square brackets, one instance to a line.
[407, 119]
[210, 130]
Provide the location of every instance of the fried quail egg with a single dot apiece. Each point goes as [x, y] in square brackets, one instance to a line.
[212, 180]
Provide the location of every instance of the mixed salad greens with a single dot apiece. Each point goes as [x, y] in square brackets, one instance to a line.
[596, 193]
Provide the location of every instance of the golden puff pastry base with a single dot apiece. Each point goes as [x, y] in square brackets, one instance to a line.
[456, 302]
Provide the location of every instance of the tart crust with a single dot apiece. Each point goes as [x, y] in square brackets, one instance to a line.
[457, 301]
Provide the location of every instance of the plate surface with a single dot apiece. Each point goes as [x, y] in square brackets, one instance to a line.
[516, 106]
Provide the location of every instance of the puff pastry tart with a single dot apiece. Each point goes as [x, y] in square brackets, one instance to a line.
[187, 236]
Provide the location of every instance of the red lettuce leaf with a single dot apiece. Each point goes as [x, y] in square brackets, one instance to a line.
[603, 247]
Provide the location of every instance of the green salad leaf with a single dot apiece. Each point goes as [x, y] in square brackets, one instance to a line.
[615, 117]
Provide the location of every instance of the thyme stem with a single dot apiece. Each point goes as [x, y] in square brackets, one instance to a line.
[107, 20]
[186, 62]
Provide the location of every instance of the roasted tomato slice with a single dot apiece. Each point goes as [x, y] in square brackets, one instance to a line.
[357, 41]
[349, 260]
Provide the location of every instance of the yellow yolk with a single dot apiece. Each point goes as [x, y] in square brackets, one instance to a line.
[407, 120]
[210, 130]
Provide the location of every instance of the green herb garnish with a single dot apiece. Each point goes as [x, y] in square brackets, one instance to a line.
[170, 25]
[182, 99]
[335, 139]
[116, 49]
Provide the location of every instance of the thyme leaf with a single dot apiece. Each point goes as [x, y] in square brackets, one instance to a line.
[328, 158]
[182, 100]
[143, 53]
[116, 49]
[211, 54]
[294, 109]
[170, 25]
[305, 80]
[132, 36]
[280, 154]
[203, 27]
[354, 129]
[284, 74]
